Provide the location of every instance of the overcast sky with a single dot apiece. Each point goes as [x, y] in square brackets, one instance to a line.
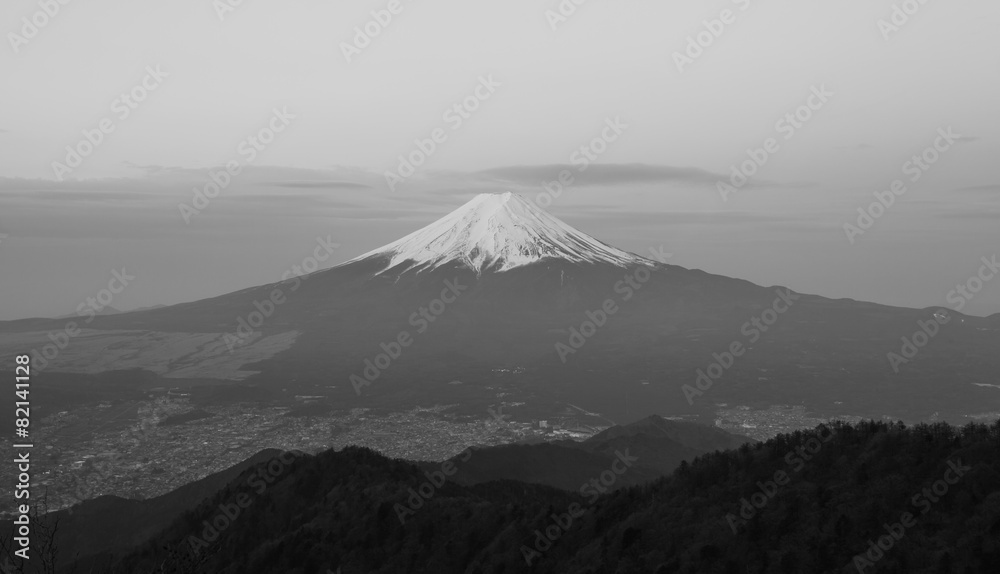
[208, 82]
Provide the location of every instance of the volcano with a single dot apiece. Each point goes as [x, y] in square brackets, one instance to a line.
[496, 233]
[510, 301]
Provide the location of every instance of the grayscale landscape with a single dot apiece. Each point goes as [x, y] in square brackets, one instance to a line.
[563, 287]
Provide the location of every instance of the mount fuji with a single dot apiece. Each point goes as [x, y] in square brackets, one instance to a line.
[496, 232]
[513, 303]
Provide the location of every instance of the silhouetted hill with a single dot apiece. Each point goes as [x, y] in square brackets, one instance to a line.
[111, 523]
[689, 434]
[820, 500]
[660, 445]
[550, 464]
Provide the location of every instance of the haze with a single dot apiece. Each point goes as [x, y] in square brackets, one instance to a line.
[553, 91]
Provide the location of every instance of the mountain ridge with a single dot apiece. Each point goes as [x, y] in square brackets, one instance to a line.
[660, 445]
[824, 354]
[357, 511]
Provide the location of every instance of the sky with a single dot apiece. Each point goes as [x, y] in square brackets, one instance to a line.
[648, 107]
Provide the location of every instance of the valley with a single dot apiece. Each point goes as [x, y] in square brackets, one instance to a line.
[148, 445]
[541, 348]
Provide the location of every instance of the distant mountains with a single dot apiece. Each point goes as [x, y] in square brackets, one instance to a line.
[501, 286]
[821, 502]
[106, 310]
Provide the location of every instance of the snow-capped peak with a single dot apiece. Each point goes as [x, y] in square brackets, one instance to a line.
[498, 232]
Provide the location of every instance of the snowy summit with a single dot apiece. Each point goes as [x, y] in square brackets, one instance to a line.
[498, 232]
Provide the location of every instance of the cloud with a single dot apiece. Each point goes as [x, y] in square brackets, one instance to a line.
[100, 188]
[163, 180]
[318, 184]
[450, 196]
[294, 202]
[151, 169]
[601, 174]
[968, 139]
[974, 215]
[995, 187]
[673, 218]
[859, 147]
[68, 196]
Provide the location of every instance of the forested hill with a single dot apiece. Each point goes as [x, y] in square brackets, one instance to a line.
[819, 501]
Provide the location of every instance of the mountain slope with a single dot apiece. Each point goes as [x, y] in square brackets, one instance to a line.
[658, 445]
[548, 464]
[112, 524]
[663, 444]
[496, 232]
[340, 510]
